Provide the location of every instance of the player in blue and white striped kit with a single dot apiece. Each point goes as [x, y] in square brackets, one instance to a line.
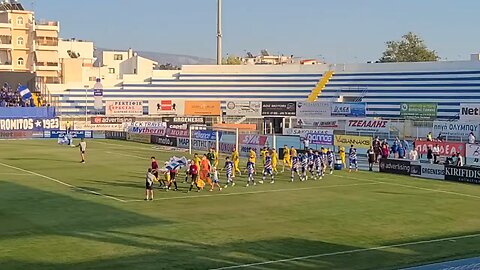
[304, 166]
[330, 160]
[229, 172]
[268, 168]
[318, 165]
[311, 163]
[295, 167]
[250, 172]
[352, 158]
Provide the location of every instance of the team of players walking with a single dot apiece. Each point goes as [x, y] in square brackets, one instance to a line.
[202, 170]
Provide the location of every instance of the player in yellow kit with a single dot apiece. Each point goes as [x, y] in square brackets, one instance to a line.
[341, 153]
[236, 162]
[286, 158]
[252, 157]
[274, 156]
[263, 153]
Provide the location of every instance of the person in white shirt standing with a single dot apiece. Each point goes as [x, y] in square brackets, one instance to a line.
[413, 155]
[471, 138]
[459, 160]
[83, 148]
[436, 153]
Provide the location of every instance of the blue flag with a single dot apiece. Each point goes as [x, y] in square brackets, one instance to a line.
[24, 92]
[176, 163]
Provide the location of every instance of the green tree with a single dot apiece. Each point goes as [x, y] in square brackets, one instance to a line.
[411, 48]
[232, 60]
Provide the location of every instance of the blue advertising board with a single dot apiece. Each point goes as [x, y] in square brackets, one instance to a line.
[26, 124]
[208, 135]
[349, 109]
[320, 139]
[61, 133]
[25, 112]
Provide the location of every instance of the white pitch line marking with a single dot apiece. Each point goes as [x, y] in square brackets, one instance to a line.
[14, 173]
[256, 192]
[352, 251]
[415, 187]
[61, 182]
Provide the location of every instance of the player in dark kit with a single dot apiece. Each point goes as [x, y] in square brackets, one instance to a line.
[154, 168]
[194, 174]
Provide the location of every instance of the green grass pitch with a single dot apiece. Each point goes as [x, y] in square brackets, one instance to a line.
[56, 213]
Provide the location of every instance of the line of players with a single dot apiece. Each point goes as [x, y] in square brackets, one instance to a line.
[313, 164]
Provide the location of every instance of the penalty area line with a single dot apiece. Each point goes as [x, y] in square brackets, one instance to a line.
[61, 182]
[352, 251]
[256, 192]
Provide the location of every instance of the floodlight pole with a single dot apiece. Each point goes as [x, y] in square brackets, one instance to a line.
[217, 142]
[190, 139]
[237, 140]
[219, 32]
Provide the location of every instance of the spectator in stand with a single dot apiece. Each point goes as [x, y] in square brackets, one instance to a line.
[459, 160]
[395, 149]
[436, 153]
[429, 137]
[413, 155]
[385, 151]
[371, 158]
[440, 137]
[401, 151]
[430, 155]
[406, 146]
[471, 138]
[377, 148]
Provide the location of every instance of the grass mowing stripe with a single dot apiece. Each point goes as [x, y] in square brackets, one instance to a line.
[359, 250]
[127, 155]
[256, 192]
[61, 182]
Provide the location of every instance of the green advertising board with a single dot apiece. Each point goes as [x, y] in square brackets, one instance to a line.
[418, 110]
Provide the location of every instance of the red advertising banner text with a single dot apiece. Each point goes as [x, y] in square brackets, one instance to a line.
[446, 148]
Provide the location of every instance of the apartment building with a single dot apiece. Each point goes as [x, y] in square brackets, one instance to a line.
[27, 45]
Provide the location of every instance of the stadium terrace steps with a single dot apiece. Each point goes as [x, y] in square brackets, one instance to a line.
[320, 86]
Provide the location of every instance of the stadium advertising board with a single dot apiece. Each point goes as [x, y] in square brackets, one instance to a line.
[314, 109]
[118, 107]
[244, 108]
[355, 109]
[18, 134]
[142, 138]
[24, 124]
[368, 125]
[463, 174]
[160, 131]
[473, 154]
[97, 127]
[61, 133]
[177, 133]
[304, 131]
[321, 139]
[166, 106]
[458, 129]
[105, 120]
[205, 107]
[429, 171]
[394, 166]
[184, 120]
[348, 140]
[118, 135]
[252, 139]
[469, 112]
[418, 110]
[165, 141]
[202, 145]
[148, 124]
[208, 135]
[446, 148]
[279, 108]
[310, 122]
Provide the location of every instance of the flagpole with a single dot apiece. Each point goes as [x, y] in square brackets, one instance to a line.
[86, 104]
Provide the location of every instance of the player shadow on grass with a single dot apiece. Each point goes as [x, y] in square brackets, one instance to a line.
[160, 252]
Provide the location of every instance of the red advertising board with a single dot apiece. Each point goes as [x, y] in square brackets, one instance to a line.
[446, 148]
[253, 139]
